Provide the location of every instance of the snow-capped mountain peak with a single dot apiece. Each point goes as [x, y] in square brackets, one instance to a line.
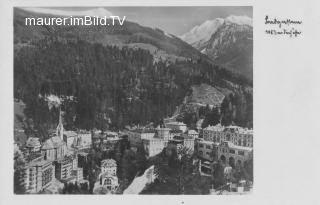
[227, 42]
[202, 32]
[240, 20]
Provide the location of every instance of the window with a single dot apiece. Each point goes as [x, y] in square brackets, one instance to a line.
[201, 145]
[232, 151]
[208, 153]
[200, 152]
[241, 153]
[245, 143]
[208, 147]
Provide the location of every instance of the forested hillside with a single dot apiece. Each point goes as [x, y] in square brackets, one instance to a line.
[110, 85]
[109, 80]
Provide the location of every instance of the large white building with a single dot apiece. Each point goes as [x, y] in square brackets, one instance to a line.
[237, 135]
[137, 135]
[155, 145]
[38, 175]
[233, 155]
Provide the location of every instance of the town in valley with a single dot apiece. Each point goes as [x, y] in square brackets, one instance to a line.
[146, 106]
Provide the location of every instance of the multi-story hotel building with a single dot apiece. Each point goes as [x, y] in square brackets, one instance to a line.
[136, 136]
[155, 145]
[38, 175]
[206, 150]
[183, 141]
[63, 168]
[232, 154]
[237, 135]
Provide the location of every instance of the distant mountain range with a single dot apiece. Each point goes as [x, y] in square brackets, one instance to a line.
[160, 44]
[228, 42]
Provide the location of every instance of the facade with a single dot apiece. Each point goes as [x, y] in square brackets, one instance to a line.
[174, 133]
[206, 150]
[180, 141]
[192, 134]
[38, 175]
[77, 140]
[177, 126]
[33, 144]
[105, 141]
[54, 148]
[78, 174]
[233, 155]
[82, 159]
[69, 138]
[83, 140]
[108, 176]
[155, 145]
[163, 133]
[136, 136]
[237, 135]
[63, 168]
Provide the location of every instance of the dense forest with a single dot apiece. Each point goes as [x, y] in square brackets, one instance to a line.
[113, 87]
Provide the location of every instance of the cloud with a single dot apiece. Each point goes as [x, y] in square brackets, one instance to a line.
[100, 12]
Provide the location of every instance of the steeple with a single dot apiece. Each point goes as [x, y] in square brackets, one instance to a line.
[59, 131]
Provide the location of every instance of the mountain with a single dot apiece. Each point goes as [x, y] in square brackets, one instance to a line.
[130, 34]
[200, 34]
[230, 43]
[115, 73]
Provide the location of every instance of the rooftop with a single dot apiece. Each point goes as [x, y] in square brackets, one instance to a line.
[176, 123]
[108, 163]
[230, 128]
[192, 132]
[231, 145]
[70, 133]
[148, 130]
[53, 142]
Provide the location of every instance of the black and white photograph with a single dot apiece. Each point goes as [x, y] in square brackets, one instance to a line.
[133, 100]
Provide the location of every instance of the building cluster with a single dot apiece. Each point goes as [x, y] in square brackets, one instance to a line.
[54, 160]
[62, 156]
[155, 140]
[232, 145]
[105, 141]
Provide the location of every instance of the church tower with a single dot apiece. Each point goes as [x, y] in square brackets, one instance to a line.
[59, 131]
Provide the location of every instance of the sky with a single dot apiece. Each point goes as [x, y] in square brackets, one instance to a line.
[173, 20]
